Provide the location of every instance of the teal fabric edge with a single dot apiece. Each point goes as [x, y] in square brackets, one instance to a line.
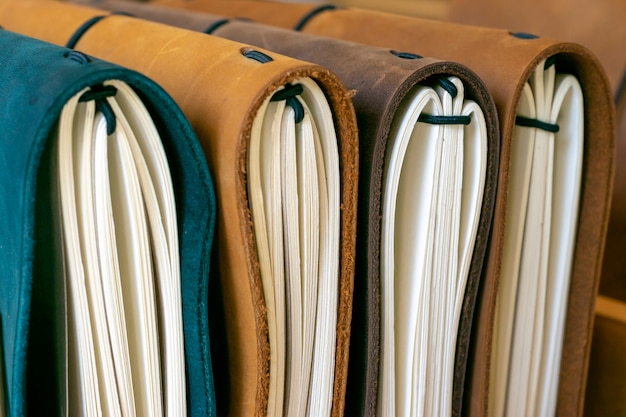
[44, 65]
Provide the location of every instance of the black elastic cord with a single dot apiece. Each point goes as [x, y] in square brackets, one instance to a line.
[310, 15]
[71, 43]
[215, 25]
[446, 84]
[405, 55]
[99, 93]
[444, 120]
[289, 94]
[256, 55]
[538, 124]
[550, 61]
[523, 35]
[82, 29]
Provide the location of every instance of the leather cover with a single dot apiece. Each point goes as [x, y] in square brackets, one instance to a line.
[360, 68]
[37, 79]
[578, 21]
[220, 91]
[512, 57]
[574, 20]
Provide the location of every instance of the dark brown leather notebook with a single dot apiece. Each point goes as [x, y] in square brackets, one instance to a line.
[384, 83]
[521, 71]
[260, 118]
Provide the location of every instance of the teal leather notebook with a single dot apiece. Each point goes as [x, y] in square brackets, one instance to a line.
[107, 223]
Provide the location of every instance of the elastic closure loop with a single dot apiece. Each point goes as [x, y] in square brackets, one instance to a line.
[523, 35]
[215, 25]
[448, 85]
[405, 55]
[71, 43]
[256, 55]
[310, 15]
[444, 120]
[537, 124]
[289, 93]
[99, 93]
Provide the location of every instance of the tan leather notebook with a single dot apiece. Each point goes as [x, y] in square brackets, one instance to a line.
[261, 118]
[520, 70]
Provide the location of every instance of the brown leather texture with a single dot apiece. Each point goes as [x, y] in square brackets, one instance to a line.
[379, 80]
[597, 25]
[504, 62]
[220, 91]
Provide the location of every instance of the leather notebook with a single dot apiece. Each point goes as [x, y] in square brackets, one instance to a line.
[102, 174]
[521, 71]
[275, 130]
[384, 83]
[577, 22]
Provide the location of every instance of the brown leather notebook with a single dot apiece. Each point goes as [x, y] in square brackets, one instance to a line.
[240, 100]
[580, 22]
[383, 82]
[598, 25]
[506, 61]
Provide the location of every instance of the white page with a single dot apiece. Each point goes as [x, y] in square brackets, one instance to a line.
[264, 169]
[521, 161]
[309, 208]
[431, 206]
[568, 113]
[118, 215]
[537, 262]
[84, 390]
[445, 256]
[294, 185]
[87, 191]
[415, 203]
[534, 261]
[328, 184]
[407, 196]
[293, 399]
[110, 274]
[158, 196]
[135, 262]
